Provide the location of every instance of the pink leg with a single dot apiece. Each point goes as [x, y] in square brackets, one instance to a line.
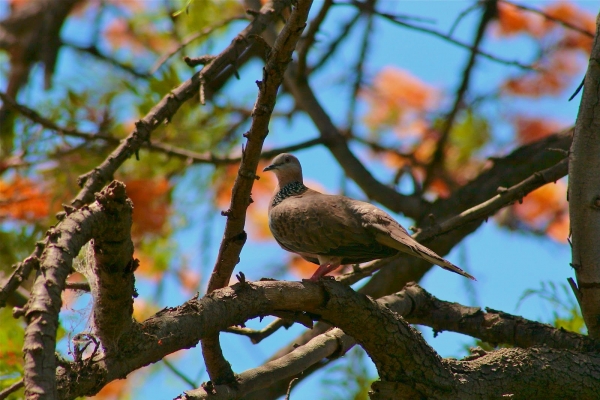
[323, 270]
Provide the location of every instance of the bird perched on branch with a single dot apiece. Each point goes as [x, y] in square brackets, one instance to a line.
[335, 230]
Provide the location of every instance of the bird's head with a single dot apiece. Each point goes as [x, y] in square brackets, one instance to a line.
[286, 168]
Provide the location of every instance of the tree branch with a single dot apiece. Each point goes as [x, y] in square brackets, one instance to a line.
[41, 313]
[93, 181]
[109, 269]
[189, 156]
[204, 32]
[490, 11]
[505, 172]
[396, 20]
[584, 194]
[310, 37]
[21, 273]
[294, 363]
[234, 236]
[505, 197]
[418, 306]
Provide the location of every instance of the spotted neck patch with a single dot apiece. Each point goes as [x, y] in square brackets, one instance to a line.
[289, 190]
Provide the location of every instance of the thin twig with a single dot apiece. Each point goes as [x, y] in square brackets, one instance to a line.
[178, 373]
[189, 156]
[186, 41]
[308, 39]
[94, 51]
[332, 48]
[256, 336]
[437, 160]
[289, 391]
[430, 31]
[359, 70]
[11, 389]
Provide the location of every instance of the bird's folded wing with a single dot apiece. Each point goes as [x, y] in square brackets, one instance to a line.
[319, 224]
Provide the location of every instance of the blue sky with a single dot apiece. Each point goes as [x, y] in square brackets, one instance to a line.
[505, 263]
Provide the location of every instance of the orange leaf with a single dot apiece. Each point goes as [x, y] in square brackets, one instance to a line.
[189, 279]
[559, 228]
[300, 267]
[151, 204]
[146, 266]
[119, 34]
[116, 389]
[512, 20]
[397, 98]
[532, 129]
[555, 76]
[439, 187]
[23, 199]
[546, 209]
[569, 12]
[143, 310]
[543, 203]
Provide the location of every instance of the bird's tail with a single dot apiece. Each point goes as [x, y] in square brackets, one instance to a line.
[411, 246]
[435, 259]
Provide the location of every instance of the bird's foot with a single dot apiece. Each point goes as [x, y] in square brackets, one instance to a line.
[322, 271]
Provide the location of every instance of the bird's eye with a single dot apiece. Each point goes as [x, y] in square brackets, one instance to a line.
[287, 159]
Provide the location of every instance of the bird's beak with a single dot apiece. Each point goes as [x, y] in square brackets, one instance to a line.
[270, 168]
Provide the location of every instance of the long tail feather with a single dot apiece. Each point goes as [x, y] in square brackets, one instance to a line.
[411, 246]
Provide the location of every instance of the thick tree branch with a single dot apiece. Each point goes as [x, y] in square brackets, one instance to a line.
[584, 194]
[177, 328]
[299, 360]
[109, 269]
[512, 373]
[63, 243]
[418, 306]
[173, 329]
[234, 236]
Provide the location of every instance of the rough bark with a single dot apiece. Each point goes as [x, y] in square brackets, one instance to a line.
[41, 312]
[182, 327]
[584, 195]
[234, 236]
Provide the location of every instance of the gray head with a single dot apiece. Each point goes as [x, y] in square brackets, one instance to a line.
[286, 168]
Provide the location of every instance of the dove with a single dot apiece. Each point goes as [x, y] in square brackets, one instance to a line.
[333, 230]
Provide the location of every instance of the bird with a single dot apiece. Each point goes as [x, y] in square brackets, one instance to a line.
[335, 230]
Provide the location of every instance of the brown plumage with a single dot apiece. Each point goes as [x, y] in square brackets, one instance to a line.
[335, 230]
